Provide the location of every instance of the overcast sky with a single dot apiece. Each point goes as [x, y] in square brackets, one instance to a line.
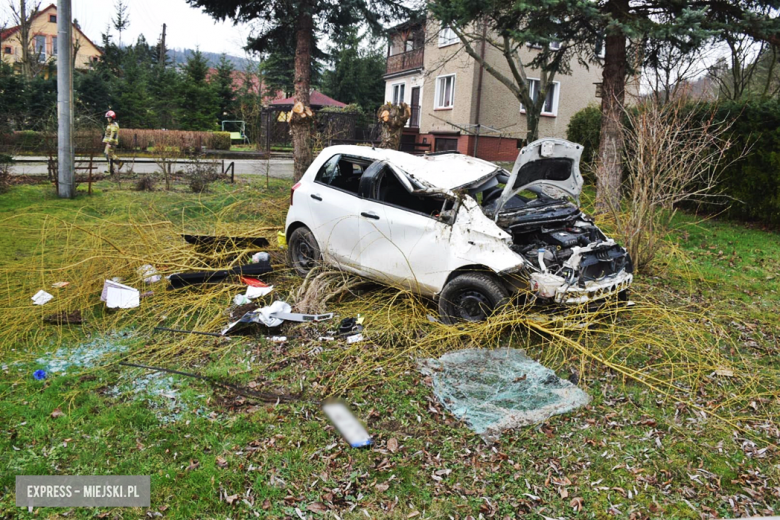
[187, 27]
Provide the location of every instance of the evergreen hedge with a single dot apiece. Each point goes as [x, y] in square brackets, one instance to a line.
[753, 181]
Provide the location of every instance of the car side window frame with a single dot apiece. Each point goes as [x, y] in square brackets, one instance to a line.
[354, 160]
[372, 195]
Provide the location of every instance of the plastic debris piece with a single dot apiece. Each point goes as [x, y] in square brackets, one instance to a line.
[278, 339]
[350, 326]
[281, 240]
[60, 285]
[213, 242]
[347, 425]
[360, 319]
[118, 296]
[254, 282]
[39, 375]
[303, 318]
[149, 274]
[355, 338]
[262, 316]
[260, 257]
[495, 390]
[184, 279]
[42, 297]
[241, 299]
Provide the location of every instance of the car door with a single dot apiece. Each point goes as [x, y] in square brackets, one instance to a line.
[334, 210]
[403, 240]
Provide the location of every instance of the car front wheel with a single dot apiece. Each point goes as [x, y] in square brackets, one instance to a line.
[303, 251]
[471, 297]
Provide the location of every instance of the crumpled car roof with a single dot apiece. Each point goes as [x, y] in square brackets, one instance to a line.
[449, 171]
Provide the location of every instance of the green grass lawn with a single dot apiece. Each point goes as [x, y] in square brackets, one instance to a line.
[630, 454]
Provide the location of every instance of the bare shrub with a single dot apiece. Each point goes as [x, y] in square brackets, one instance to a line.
[201, 172]
[145, 183]
[673, 156]
[168, 147]
[6, 163]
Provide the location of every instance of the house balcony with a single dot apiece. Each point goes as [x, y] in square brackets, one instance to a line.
[405, 61]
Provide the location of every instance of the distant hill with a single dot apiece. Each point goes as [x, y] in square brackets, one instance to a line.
[179, 56]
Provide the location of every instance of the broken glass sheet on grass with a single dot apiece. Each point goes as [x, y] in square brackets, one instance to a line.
[160, 392]
[86, 355]
[495, 390]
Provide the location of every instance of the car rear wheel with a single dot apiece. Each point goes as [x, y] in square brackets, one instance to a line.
[471, 297]
[303, 251]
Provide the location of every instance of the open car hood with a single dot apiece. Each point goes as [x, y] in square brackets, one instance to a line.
[551, 166]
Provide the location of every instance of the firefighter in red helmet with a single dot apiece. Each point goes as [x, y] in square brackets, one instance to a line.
[111, 140]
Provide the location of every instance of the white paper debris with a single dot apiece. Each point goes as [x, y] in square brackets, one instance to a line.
[260, 257]
[355, 338]
[253, 292]
[42, 297]
[118, 296]
[149, 274]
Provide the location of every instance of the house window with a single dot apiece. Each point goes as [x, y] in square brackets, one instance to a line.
[409, 44]
[550, 107]
[53, 45]
[53, 18]
[8, 50]
[555, 46]
[40, 47]
[447, 37]
[445, 144]
[398, 93]
[445, 92]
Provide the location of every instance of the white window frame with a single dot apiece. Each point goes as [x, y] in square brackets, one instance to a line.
[393, 87]
[437, 92]
[447, 37]
[555, 46]
[556, 97]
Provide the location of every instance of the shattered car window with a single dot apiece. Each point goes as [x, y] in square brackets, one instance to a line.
[342, 173]
[389, 190]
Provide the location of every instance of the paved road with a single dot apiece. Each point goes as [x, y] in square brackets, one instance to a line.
[279, 168]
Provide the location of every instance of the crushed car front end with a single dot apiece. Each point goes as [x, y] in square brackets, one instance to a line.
[567, 259]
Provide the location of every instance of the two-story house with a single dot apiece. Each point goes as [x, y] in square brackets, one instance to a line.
[453, 98]
[43, 41]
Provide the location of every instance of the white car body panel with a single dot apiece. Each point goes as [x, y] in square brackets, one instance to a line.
[420, 252]
[539, 150]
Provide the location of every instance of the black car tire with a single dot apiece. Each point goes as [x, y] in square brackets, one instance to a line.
[303, 252]
[471, 297]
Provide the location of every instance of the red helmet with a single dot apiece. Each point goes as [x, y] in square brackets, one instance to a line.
[111, 114]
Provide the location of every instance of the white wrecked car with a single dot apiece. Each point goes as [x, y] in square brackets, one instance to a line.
[458, 229]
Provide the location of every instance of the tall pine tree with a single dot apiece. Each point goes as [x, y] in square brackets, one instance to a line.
[198, 97]
[302, 19]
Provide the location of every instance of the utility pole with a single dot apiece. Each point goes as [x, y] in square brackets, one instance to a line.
[66, 184]
[162, 51]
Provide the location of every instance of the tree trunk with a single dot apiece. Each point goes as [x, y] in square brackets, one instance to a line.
[532, 130]
[300, 127]
[24, 40]
[393, 118]
[609, 170]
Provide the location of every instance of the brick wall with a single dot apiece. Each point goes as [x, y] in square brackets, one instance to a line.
[489, 148]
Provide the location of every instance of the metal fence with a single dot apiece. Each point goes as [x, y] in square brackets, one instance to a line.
[330, 128]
